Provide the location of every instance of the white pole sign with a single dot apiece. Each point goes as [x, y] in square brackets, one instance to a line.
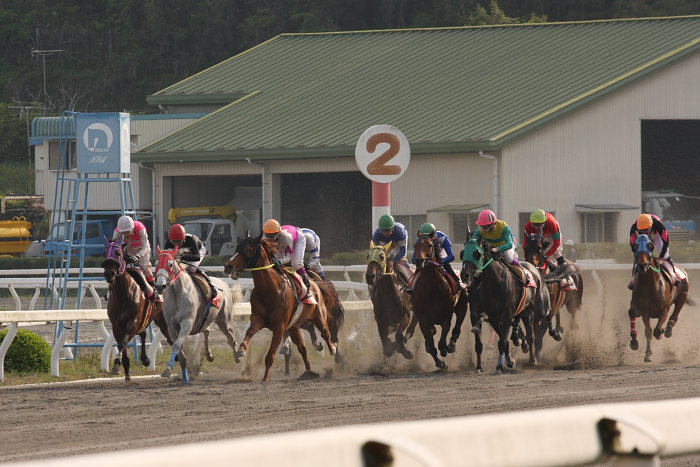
[382, 153]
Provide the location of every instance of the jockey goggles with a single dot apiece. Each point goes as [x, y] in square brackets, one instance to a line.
[272, 236]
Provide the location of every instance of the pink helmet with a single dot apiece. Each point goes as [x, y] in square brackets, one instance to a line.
[486, 217]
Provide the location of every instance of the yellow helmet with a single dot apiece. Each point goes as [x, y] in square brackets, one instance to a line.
[271, 226]
[538, 217]
[644, 221]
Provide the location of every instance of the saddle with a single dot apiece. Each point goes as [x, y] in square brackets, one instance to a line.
[523, 275]
[203, 285]
[150, 308]
[297, 281]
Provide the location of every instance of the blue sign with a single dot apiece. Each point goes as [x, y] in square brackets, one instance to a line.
[103, 142]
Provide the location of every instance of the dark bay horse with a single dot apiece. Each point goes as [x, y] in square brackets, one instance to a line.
[274, 304]
[434, 303]
[391, 305]
[501, 298]
[129, 311]
[653, 296]
[559, 297]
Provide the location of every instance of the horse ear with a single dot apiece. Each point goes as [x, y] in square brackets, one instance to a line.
[371, 244]
[259, 237]
[387, 247]
[247, 233]
[158, 249]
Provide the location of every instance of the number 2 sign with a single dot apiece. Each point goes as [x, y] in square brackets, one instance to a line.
[382, 153]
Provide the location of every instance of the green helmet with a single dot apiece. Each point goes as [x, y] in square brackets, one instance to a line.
[427, 229]
[386, 222]
[538, 216]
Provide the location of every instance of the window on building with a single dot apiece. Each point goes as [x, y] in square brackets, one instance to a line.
[599, 227]
[412, 223]
[460, 224]
[62, 152]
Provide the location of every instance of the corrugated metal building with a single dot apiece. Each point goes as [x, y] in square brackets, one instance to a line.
[515, 117]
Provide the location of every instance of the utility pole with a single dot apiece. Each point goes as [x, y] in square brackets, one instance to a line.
[43, 54]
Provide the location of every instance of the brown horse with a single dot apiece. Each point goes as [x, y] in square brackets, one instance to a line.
[433, 301]
[653, 296]
[559, 297]
[129, 311]
[274, 304]
[392, 306]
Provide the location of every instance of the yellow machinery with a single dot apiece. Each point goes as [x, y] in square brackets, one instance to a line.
[15, 237]
[182, 214]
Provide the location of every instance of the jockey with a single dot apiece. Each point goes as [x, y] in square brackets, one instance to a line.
[291, 244]
[395, 232]
[313, 247]
[544, 224]
[137, 250]
[190, 250]
[652, 226]
[443, 250]
[499, 238]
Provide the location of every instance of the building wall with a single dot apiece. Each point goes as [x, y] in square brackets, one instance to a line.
[594, 155]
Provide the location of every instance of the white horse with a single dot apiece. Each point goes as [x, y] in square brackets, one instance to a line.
[185, 309]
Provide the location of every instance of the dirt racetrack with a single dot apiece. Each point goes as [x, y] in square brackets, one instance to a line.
[41, 422]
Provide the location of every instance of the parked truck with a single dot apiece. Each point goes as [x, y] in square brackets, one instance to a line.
[679, 213]
[95, 232]
[215, 226]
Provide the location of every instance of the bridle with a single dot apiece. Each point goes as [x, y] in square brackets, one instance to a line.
[113, 253]
[429, 254]
[644, 248]
[167, 261]
[533, 246]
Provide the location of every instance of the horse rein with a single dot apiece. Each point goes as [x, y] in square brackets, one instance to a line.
[168, 269]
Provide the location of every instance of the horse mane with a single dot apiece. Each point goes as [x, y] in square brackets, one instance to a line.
[270, 248]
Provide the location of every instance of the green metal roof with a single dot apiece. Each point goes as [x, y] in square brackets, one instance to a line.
[447, 89]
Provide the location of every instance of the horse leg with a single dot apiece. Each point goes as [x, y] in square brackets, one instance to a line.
[515, 332]
[256, 324]
[502, 349]
[227, 329]
[320, 320]
[126, 363]
[659, 329]
[442, 343]
[412, 326]
[311, 329]
[677, 305]
[461, 314]
[207, 351]
[119, 339]
[478, 348]
[400, 339]
[647, 334]
[428, 332]
[145, 361]
[388, 347]
[178, 348]
[634, 343]
[295, 335]
[277, 335]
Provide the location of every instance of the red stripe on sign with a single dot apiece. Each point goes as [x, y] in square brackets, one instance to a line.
[381, 194]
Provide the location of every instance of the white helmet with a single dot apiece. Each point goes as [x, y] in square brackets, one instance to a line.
[125, 224]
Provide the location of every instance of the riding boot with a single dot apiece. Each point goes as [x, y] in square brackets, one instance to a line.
[672, 271]
[214, 291]
[451, 272]
[155, 296]
[309, 297]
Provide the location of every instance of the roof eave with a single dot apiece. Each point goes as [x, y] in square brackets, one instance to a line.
[174, 99]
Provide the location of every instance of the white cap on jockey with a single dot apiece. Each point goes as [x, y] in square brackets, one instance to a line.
[569, 243]
[125, 224]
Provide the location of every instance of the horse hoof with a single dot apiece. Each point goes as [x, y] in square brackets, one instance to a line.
[407, 354]
[440, 364]
[339, 358]
[166, 373]
[127, 378]
[668, 332]
[560, 329]
[443, 352]
[389, 349]
[657, 333]
[115, 370]
[634, 344]
[285, 350]
[452, 347]
[210, 357]
[525, 347]
[477, 371]
[555, 334]
[647, 358]
[146, 361]
[240, 354]
[499, 370]
[309, 375]
[318, 346]
[476, 330]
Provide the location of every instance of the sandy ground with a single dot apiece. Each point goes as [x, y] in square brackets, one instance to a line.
[60, 420]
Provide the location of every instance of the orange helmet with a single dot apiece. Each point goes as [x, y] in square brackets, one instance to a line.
[271, 226]
[644, 221]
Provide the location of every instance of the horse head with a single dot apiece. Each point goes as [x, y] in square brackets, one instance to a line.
[643, 250]
[114, 264]
[424, 250]
[474, 259]
[377, 262]
[168, 269]
[248, 253]
[533, 249]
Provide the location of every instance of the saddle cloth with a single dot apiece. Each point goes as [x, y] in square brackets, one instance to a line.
[203, 285]
[298, 283]
[669, 278]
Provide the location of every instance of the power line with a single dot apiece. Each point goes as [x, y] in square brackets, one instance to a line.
[43, 54]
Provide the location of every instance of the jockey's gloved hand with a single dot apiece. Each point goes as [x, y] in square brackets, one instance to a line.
[277, 262]
[128, 258]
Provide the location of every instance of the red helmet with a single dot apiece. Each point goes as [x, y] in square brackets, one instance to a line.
[176, 233]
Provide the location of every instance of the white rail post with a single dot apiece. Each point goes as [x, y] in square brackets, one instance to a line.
[6, 342]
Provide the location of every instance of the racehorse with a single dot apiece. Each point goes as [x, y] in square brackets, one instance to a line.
[129, 311]
[433, 301]
[653, 296]
[391, 305]
[559, 297]
[274, 303]
[503, 300]
[187, 310]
